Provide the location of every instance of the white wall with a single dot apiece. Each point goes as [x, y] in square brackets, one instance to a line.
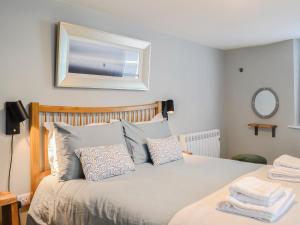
[189, 73]
[264, 66]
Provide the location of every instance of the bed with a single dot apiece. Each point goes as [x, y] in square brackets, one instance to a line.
[181, 192]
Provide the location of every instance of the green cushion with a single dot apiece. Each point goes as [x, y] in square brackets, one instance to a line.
[250, 158]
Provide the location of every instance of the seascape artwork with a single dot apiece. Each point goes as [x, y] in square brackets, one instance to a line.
[102, 59]
[90, 58]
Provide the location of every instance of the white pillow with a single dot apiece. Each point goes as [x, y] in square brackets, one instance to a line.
[157, 118]
[164, 150]
[102, 162]
[52, 144]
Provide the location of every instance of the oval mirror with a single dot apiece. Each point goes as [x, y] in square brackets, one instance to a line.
[265, 103]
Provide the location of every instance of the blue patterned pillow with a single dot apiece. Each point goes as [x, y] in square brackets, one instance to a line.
[164, 150]
[102, 162]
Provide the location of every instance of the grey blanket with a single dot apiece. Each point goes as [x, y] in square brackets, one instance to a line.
[149, 196]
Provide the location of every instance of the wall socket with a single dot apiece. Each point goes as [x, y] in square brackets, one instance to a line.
[24, 199]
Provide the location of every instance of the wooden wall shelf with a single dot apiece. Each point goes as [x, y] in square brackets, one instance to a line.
[257, 126]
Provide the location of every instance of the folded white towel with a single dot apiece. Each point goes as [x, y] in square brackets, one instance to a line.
[255, 191]
[266, 214]
[287, 161]
[267, 202]
[284, 173]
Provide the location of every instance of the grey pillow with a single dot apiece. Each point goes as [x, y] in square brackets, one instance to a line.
[136, 138]
[69, 138]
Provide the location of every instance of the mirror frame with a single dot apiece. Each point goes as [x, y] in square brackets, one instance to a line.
[276, 106]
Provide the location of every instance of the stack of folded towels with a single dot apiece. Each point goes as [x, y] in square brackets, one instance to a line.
[258, 199]
[286, 168]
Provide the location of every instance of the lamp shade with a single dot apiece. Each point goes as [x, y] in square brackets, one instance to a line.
[15, 114]
[18, 111]
[170, 106]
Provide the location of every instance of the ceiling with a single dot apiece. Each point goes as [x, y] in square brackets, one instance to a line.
[223, 24]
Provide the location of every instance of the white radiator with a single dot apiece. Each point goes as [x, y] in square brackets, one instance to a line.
[206, 143]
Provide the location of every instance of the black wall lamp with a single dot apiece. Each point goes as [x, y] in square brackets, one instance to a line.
[167, 108]
[15, 114]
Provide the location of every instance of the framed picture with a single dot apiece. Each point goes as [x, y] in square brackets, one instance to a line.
[89, 58]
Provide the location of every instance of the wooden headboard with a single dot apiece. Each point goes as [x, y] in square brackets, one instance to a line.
[76, 116]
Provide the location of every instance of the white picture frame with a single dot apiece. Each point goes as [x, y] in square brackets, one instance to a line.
[90, 58]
